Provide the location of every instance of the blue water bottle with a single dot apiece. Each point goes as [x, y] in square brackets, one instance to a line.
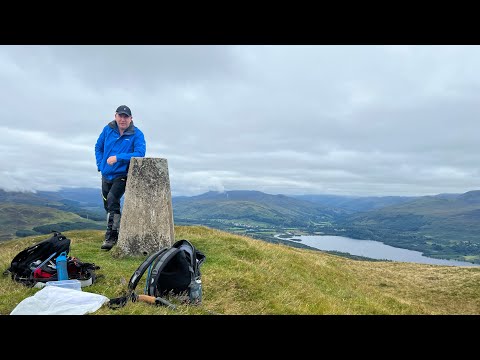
[62, 272]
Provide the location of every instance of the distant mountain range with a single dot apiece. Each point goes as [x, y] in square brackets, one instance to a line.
[83, 196]
[252, 206]
[355, 203]
[434, 224]
[441, 225]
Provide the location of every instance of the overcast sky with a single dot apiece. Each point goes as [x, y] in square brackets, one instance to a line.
[346, 120]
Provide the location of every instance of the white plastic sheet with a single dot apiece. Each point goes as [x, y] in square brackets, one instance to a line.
[55, 300]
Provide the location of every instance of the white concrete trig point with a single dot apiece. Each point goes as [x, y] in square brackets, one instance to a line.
[146, 224]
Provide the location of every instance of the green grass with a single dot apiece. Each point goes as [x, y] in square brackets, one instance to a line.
[242, 275]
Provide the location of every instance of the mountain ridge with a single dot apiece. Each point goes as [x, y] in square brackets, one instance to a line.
[443, 225]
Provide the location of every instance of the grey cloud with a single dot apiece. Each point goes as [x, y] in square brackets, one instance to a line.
[361, 120]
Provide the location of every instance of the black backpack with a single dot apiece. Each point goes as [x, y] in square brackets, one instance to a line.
[36, 263]
[171, 271]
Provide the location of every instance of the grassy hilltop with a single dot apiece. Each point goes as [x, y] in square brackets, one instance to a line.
[242, 275]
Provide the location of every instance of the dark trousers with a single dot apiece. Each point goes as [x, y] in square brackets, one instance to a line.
[112, 192]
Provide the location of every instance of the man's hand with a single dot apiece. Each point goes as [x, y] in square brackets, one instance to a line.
[112, 160]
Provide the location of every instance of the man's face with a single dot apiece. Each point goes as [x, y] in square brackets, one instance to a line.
[123, 121]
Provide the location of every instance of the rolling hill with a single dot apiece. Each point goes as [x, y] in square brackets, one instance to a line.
[23, 220]
[30, 213]
[251, 207]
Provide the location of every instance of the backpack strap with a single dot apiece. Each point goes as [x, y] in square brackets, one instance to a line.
[137, 275]
[158, 267]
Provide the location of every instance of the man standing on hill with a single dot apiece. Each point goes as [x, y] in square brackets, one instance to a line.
[119, 141]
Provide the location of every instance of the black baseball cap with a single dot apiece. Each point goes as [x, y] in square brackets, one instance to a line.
[124, 109]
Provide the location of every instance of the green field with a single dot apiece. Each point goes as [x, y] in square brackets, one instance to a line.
[242, 275]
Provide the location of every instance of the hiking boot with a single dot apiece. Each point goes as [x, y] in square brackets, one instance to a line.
[107, 245]
[110, 241]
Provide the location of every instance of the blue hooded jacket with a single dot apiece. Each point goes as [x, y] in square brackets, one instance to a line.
[109, 143]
